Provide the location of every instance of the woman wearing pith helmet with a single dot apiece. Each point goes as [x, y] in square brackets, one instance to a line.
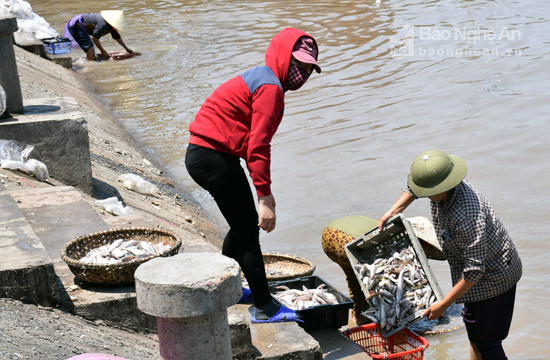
[86, 30]
[485, 265]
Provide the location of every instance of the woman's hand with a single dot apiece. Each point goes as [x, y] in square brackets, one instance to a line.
[266, 210]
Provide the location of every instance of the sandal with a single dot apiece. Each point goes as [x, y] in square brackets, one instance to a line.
[283, 315]
[247, 296]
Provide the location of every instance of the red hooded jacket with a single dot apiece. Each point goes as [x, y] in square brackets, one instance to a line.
[242, 115]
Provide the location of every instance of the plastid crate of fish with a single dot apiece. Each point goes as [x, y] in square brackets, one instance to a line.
[319, 304]
[58, 45]
[394, 274]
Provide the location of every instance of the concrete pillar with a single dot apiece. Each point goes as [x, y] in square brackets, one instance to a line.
[9, 77]
[189, 295]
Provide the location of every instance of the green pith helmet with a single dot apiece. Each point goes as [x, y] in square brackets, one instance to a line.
[433, 172]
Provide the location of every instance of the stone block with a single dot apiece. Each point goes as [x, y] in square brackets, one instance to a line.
[8, 25]
[65, 61]
[239, 331]
[9, 77]
[59, 134]
[188, 285]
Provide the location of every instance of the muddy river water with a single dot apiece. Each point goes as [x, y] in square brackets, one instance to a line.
[399, 77]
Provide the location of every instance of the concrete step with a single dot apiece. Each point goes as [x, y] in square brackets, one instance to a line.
[59, 214]
[26, 270]
[281, 341]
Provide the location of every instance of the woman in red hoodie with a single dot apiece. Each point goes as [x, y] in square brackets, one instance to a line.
[238, 121]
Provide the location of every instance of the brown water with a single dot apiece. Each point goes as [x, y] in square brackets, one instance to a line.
[400, 77]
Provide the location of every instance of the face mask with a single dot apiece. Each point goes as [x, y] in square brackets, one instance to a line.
[297, 76]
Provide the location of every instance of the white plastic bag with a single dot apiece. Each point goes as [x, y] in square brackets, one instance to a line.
[14, 150]
[137, 184]
[114, 206]
[31, 166]
[37, 168]
[14, 154]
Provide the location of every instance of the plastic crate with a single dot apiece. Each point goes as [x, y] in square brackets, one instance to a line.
[320, 316]
[56, 46]
[363, 249]
[405, 344]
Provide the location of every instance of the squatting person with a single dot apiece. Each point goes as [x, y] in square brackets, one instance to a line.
[87, 29]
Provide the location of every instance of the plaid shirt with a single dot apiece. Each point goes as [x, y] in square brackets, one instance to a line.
[476, 244]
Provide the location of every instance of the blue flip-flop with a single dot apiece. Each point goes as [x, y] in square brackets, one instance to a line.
[283, 315]
[247, 296]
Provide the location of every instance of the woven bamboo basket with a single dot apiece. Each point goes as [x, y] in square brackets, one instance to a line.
[119, 273]
[285, 267]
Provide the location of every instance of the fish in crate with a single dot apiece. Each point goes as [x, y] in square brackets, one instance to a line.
[394, 275]
[302, 299]
[398, 286]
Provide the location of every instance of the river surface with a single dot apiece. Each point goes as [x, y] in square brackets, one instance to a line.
[399, 77]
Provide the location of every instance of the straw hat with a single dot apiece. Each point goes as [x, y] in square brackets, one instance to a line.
[434, 172]
[425, 232]
[116, 19]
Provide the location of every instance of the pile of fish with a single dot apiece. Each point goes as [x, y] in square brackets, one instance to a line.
[122, 250]
[302, 299]
[396, 285]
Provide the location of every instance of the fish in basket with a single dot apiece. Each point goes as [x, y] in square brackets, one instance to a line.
[111, 257]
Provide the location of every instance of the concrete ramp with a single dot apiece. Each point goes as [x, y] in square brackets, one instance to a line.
[26, 270]
[58, 214]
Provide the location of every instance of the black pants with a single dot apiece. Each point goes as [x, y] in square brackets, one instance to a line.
[223, 177]
[488, 322]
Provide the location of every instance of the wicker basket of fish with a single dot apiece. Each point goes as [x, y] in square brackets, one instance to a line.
[285, 267]
[394, 274]
[318, 303]
[111, 257]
